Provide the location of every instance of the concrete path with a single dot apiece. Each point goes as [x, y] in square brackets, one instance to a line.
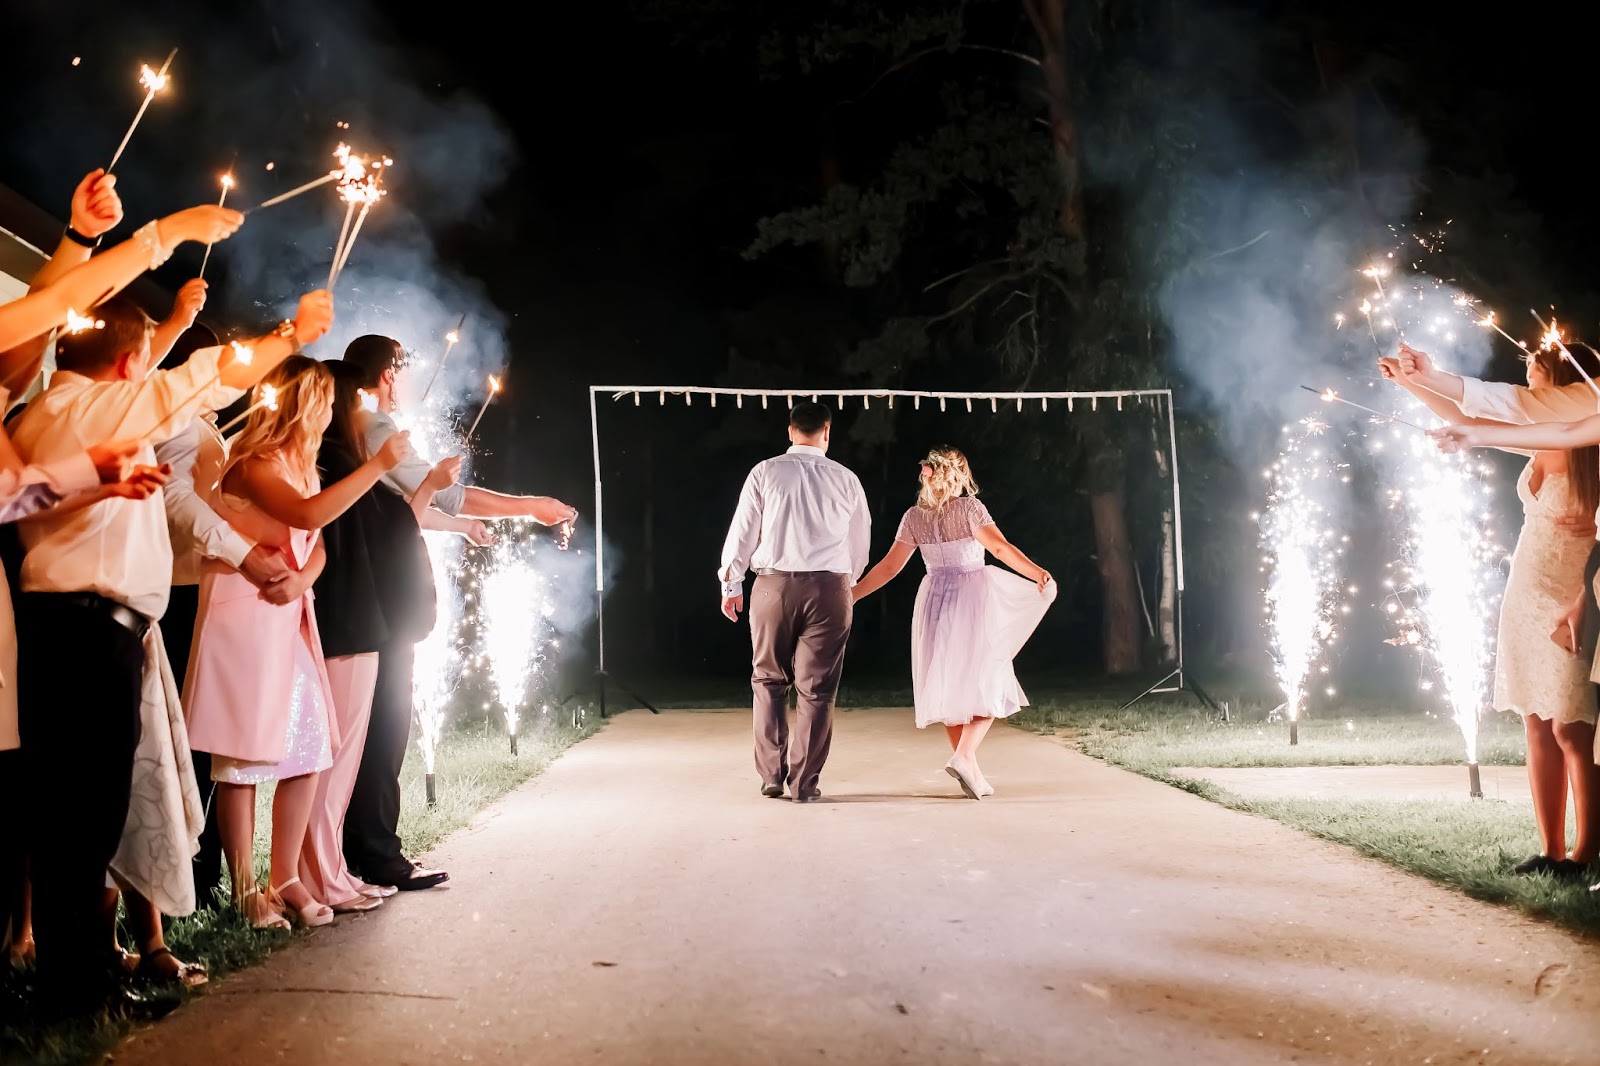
[1506, 783]
[640, 903]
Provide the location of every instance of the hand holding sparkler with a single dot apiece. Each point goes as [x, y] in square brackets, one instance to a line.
[478, 533]
[1453, 439]
[1412, 362]
[445, 472]
[96, 207]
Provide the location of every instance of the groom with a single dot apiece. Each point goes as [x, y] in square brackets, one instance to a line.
[802, 525]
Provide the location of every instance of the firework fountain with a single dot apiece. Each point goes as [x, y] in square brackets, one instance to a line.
[1300, 556]
[1445, 588]
[513, 618]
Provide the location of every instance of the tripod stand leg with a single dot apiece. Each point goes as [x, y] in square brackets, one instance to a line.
[602, 675]
[1149, 690]
[1205, 697]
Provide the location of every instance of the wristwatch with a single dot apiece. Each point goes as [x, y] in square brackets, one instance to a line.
[287, 331]
[79, 239]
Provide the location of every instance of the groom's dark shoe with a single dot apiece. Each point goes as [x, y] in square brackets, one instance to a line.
[772, 791]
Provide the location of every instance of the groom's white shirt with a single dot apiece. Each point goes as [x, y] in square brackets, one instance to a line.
[799, 512]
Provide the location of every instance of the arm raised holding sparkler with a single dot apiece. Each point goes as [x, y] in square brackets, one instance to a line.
[96, 210]
[186, 308]
[1536, 436]
[88, 283]
[1498, 400]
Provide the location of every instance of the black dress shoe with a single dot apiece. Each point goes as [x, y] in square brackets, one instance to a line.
[1538, 864]
[410, 878]
[772, 791]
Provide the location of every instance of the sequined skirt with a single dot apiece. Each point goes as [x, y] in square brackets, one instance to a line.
[309, 749]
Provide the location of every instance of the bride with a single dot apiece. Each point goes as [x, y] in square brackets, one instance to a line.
[970, 619]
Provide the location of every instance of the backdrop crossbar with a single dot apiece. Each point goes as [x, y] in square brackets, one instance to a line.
[1175, 681]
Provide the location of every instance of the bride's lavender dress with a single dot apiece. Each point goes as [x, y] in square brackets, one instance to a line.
[970, 619]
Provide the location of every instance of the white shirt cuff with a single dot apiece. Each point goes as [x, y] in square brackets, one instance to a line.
[732, 588]
[75, 473]
[233, 549]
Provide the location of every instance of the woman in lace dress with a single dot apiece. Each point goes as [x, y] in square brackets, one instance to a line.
[1539, 675]
[257, 696]
[970, 620]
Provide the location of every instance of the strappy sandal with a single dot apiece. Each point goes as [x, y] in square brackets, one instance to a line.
[313, 915]
[161, 966]
[261, 914]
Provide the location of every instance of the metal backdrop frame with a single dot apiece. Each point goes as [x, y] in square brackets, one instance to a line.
[1175, 681]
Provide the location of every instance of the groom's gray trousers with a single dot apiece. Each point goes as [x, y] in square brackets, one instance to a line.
[799, 625]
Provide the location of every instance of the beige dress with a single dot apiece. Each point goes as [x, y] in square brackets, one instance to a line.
[1532, 675]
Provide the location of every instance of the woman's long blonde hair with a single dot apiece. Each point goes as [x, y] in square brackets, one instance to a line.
[949, 476]
[291, 433]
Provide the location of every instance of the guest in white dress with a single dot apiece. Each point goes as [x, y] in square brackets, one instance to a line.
[970, 620]
[1539, 672]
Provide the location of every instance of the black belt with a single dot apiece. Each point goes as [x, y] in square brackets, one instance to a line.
[120, 613]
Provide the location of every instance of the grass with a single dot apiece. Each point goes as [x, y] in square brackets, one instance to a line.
[1467, 846]
[474, 768]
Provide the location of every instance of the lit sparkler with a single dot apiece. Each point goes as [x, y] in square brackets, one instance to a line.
[153, 82]
[494, 387]
[1300, 554]
[269, 400]
[77, 323]
[451, 339]
[1330, 396]
[227, 183]
[1552, 339]
[361, 185]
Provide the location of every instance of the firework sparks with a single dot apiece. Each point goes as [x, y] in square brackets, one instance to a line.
[268, 399]
[512, 618]
[1300, 555]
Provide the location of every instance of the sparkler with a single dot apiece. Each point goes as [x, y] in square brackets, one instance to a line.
[450, 341]
[153, 82]
[243, 354]
[494, 387]
[362, 186]
[227, 183]
[77, 323]
[1300, 551]
[269, 400]
[351, 168]
[1329, 396]
[1552, 339]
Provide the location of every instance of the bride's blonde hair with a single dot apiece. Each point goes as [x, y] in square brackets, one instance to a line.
[949, 476]
[304, 397]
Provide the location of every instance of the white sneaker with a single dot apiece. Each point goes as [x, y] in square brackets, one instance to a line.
[958, 768]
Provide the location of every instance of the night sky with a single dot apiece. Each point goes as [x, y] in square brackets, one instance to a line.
[596, 182]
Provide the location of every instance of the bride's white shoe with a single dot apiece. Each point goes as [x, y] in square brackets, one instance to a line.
[964, 774]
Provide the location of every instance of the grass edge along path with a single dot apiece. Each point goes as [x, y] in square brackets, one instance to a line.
[1468, 846]
[474, 768]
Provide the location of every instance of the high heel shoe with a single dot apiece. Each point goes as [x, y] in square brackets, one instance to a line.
[259, 911]
[311, 916]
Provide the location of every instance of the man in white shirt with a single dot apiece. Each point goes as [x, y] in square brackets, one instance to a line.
[1501, 400]
[802, 524]
[93, 581]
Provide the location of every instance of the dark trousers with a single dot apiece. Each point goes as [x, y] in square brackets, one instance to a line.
[177, 634]
[799, 625]
[371, 826]
[78, 696]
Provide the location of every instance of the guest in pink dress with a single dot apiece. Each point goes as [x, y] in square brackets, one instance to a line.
[970, 619]
[257, 694]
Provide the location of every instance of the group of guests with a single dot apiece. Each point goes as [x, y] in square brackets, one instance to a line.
[186, 617]
[1547, 664]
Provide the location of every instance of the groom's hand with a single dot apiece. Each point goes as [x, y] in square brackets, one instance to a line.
[732, 605]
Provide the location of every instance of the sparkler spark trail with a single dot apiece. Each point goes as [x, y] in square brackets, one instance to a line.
[494, 387]
[77, 323]
[451, 339]
[1552, 339]
[269, 400]
[1300, 555]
